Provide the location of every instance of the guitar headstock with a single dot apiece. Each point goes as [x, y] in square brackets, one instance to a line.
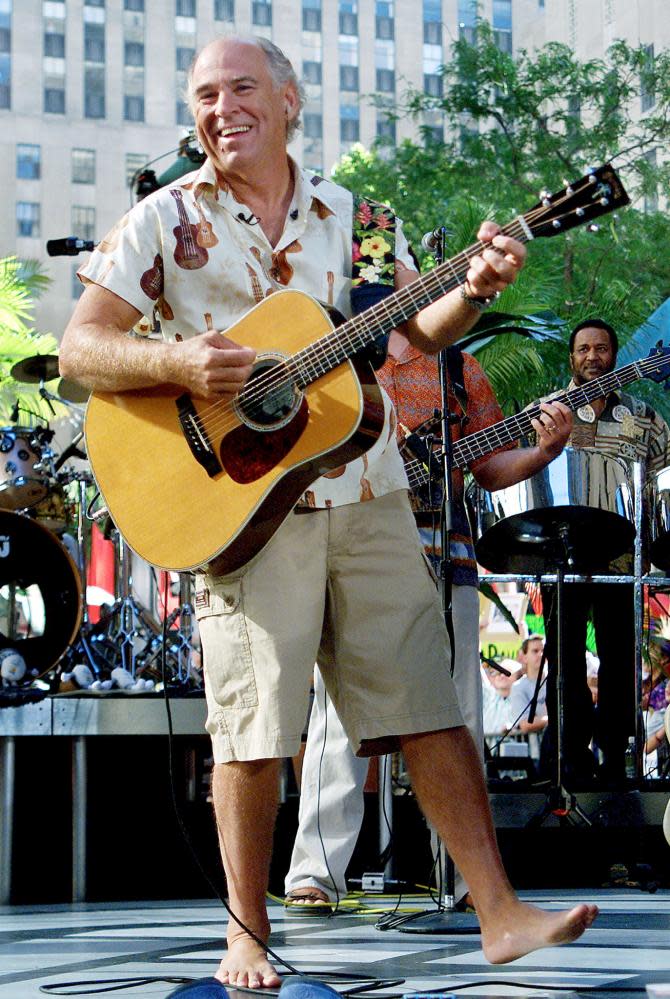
[600, 191]
[657, 363]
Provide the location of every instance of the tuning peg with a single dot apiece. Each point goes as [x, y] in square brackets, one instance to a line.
[556, 223]
[593, 227]
[604, 201]
[592, 175]
[579, 212]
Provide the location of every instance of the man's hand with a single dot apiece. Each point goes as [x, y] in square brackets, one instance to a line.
[212, 366]
[553, 428]
[497, 266]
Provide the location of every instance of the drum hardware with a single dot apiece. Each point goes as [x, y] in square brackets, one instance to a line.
[179, 646]
[36, 369]
[68, 391]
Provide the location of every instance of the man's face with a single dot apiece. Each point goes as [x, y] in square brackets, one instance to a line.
[592, 354]
[240, 114]
[532, 657]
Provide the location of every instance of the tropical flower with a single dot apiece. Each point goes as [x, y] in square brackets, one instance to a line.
[370, 274]
[375, 246]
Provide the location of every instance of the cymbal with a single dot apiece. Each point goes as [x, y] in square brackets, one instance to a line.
[72, 391]
[38, 368]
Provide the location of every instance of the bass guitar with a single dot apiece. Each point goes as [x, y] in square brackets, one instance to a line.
[192, 483]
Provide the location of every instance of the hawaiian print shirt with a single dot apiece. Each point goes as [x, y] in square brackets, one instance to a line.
[195, 255]
[412, 381]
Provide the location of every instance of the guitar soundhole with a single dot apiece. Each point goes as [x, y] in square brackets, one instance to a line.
[270, 399]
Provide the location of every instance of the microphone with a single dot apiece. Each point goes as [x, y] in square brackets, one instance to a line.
[70, 246]
[431, 241]
[250, 219]
[47, 396]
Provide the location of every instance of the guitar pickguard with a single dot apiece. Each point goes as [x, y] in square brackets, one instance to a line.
[248, 454]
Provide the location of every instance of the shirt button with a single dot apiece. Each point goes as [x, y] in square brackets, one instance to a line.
[228, 601]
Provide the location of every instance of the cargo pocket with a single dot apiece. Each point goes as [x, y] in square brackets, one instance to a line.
[226, 645]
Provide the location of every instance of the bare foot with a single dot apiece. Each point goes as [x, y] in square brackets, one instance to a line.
[525, 928]
[246, 964]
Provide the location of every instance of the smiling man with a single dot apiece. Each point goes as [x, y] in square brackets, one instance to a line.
[343, 581]
[626, 428]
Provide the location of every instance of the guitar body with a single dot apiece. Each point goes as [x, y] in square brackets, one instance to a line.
[166, 505]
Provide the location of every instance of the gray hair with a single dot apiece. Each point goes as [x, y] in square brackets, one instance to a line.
[279, 66]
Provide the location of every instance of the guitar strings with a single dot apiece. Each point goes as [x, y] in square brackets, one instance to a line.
[225, 413]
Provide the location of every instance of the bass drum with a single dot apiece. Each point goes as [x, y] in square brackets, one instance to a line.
[40, 593]
[581, 504]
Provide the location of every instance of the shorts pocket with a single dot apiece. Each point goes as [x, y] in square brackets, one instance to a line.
[226, 643]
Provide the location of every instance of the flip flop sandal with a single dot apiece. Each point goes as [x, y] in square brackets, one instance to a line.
[308, 904]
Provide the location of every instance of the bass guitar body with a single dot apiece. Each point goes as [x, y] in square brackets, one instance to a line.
[181, 513]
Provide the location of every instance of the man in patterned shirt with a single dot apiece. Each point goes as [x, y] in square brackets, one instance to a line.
[343, 581]
[627, 428]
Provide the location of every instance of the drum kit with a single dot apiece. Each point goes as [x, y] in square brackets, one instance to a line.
[45, 501]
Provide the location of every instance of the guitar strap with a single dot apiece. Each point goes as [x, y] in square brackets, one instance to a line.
[372, 263]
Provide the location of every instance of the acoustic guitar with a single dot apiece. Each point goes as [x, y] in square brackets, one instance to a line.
[192, 483]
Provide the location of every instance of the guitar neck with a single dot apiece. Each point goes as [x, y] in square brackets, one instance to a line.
[478, 445]
[360, 332]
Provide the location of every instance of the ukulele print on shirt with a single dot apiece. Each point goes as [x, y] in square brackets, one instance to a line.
[151, 281]
[188, 253]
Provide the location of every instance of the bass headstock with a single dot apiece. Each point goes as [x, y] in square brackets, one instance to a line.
[657, 363]
[600, 191]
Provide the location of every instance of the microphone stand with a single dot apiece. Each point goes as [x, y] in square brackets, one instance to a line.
[447, 918]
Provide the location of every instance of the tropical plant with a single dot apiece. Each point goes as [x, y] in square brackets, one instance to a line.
[20, 282]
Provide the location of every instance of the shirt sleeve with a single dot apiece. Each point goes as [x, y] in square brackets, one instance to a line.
[129, 259]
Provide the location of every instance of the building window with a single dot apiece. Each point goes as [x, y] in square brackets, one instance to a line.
[647, 94]
[83, 221]
[54, 44]
[385, 80]
[94, 3]
[135, 163]
[313, 125]
[94, 93]
[261, 13]
[224, 10]
[54, 100]
[133, 5]
[348, 23]
[432, 32]
[348, 77]
[133, 108]
[311, 19]
[502, 14]
[384, 27]
[185, 57]
[386, 129]
[133, 54]
[28, 161]
[185, 8]
[94, 42]
[27, 219]
[432, 84]
[83, 166]
[311, 72]
[349, 129]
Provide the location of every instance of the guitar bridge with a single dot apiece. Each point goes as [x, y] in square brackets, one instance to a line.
[196, 437]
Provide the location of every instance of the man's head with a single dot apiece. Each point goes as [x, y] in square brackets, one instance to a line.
[246, 101]
[530, 654]
[593, 348]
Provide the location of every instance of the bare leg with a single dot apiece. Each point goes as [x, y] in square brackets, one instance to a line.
[448, 781]
[245, 806]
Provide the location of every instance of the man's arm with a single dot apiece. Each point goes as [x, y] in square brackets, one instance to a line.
[97, 352]
[509, 467]
[448, 319]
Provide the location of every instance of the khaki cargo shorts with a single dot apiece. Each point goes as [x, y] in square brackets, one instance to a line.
[348, 588]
